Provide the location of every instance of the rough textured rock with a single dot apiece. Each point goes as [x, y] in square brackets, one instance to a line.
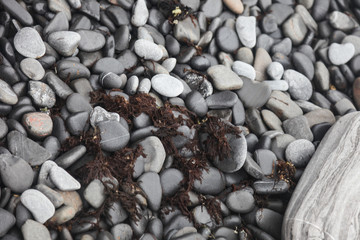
[325, 203]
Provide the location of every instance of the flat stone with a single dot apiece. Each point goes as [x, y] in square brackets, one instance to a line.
[196, 103]
[122, 231]
[271, 120]
[108, 64]
[224, 79]
[32, 230]
[7, 221]
[32, 68]
[63, 180]
[167, 85]
[254, 94]
[341, 53]
[355, 40]
[38, 204]
[283, 106]
[64, 42]
[42, 94]
[28, 43]
[281, 11]
[252, 168]
[295, 29]
[244, 70]
[300, 87]
[77, 123]
[150, 183]
[303, 64]
[67, 69]
[227, 39]
[212, 8]
[322, 183]
[56, 198]
[279, 144]
[219, 100]
[90, 41]
[27, 149]
[306, 17]
[254, 121]
[246, 30]
[298, 127]
[7, 94]
[58, 23]
[114, 136]
[94, 193]
[271, 187]
[240, 201]
[155, 154]
[266, 160]
[77, 103]
[148, 50]
[320, 116]
[201, 217]
[187, 30]
[322, 76]
[299, 152]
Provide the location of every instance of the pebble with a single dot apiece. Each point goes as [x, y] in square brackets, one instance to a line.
[167, 85]
[8, 220]
[261, 63]
[60, 6]
[244, 70]
[341, 21]
[212, 8]
[187, 30]
[303, 64]
[269, 221]
[298, 127]
[271, 120]
[28, 43]
[56, 198]
[140, 13]
[227, 39]
[320, 116]
[170, 180]
[195, 102]
[77, 123]
[356, 92]
[114, 136]
[67, 69]
[279, 144]
[219, 100]
[300, 87]
[90, 41]
[155, 154]
[277, 85]
[254, 94]
[299, 152]
[341, 53]
[38, 204]
[64, 42]
[148, 50]
[295, 29]
[94, 193]
[246, 30]
[7, 94]
[38, 125]
[108, 64]
[224, 79]
[275, 70]
[355, 40]
[32, 68]
[122, 231]
[266, 160]
[271, 187]
[63, 180]
[77, 103]
[240, 201]
[150, 183]
[32, 230]
[212, 182]
[116, 213]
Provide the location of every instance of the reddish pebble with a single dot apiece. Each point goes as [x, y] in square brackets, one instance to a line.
[37, 124]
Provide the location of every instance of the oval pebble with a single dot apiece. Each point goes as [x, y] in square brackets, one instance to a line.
[32, 68]
[28, 43]
[167, 85]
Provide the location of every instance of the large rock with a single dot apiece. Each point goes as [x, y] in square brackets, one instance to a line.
[325, 203]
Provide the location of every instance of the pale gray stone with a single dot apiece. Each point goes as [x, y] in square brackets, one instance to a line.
[38, 204]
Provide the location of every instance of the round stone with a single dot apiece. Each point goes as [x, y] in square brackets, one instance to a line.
[94, 193]
[246, 30]
[148, 50]
[300, 87]
[32, 68]
[236, 6]
[114, 135]
[38, 204]
[241, 201]
[227, 39]
[64, 42]
[341, 53]
[224, 79]
[140, 13]
[28, 43]
[244, 69]
[38, 124]
[90, 41]
[7, 221]
[63, 180]
[32, 230]
[299, 152]
[167, 85]
[7, 94]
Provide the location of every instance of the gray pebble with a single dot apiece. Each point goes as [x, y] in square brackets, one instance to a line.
[300, 87]
[38, 204]
[167, 85]
[114, 136]
[341, 53]
[42, 94]
[94, 193]
[148, 50]
[7, 94]
[246, 30]
[63, 180]
[295, 29]
[240, 201]
[149, 182]
[299, 152]
[28, 43]
[213, 182]
[33, 230]
[32, 68]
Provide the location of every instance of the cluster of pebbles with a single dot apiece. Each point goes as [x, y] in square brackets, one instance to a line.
[277, 72]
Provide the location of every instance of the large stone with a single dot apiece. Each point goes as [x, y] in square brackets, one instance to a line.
[325, 203]
[224, 79]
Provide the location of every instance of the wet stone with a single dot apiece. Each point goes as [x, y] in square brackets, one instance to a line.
[28, 43]
[32, 68]
[252, 168]
[77, 123]
[269, 221]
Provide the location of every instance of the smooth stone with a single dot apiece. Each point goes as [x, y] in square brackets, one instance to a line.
[76, 123]
[90, 41]
[122, 36]
[303, 64]
[223, 233]
[283, 106]
[212, 182]
[341, 53]
[244, 70]
[279, 144]
[319, 130]
[275, 70]
[224, 79]
[170, 180]
[17, 11]
[150, 183]
[266, 160]
[56, 198]
[271, 120]
[271, 187]
[140, 13]
[33, 230]
[322, 76]
[219, 100]
[37, 124]
[252, 168]
[236, 6]
[28, 43]
[196, 103]
[295, 29]
[94, 193]
[269, 221]
[167, 85]
[197, 83]
[320, 116]
[320, 9]
[148, 50]
[261, 63]
[114, 136]
[77, 103]
[98, 114]
[63, 180]
[116, 213]
[306, 17]
[341, 21]
[298, 127]
[68, 158]
[240, 201]
[254, 94]
[3, 128]
[58, 23]
[245, 55]
[320, 100]
[299, 152]
[64, 42]
[7, 221]
[187, 30]
[7, 94]
[356, 92]
[122, 231]
[254, 121]
[60, 6]
[281, 11]
[319, 186]
[269, 23]
[67, 69]
[155, 154]
[41, 94]
[32, 68]
[107, 64]
[344, 106]
[354, 64]
[27, 149]
[355, 40]
[277, 85]
[201, 217]
[38, 204]
[300, 87]
[246, 30]
[111, 80]
[212, 8]
[284, 47]
[227, 39]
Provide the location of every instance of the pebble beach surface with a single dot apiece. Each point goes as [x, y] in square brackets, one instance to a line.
[171, 119]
